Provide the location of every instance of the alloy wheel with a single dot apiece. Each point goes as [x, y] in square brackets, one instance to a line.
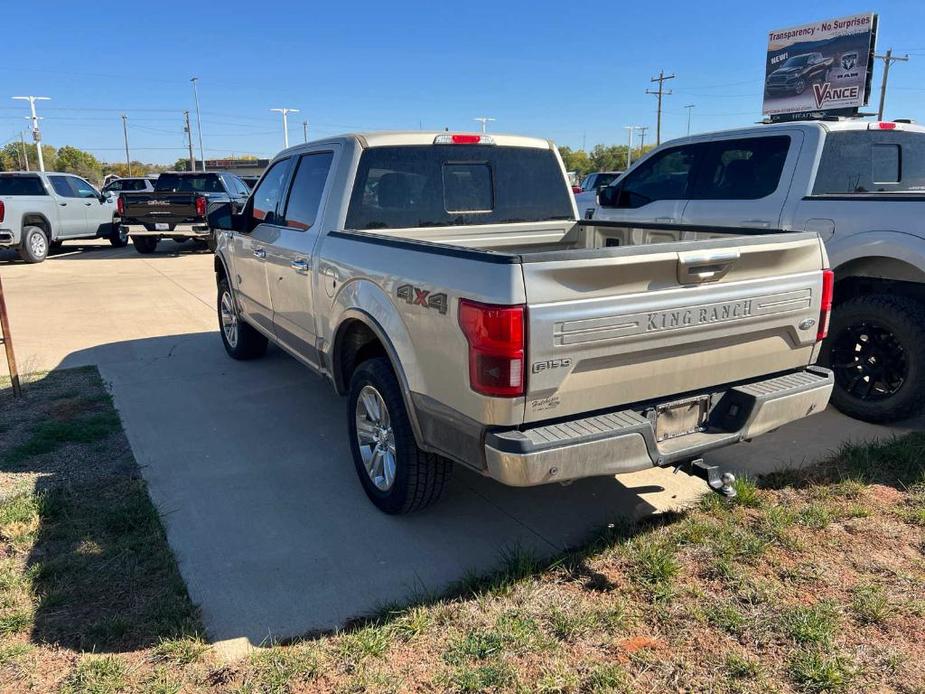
[869, 362]
[375, 438]
[229, 320]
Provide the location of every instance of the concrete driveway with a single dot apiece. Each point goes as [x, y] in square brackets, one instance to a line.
[249, 464]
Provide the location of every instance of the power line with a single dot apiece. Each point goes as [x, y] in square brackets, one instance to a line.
[888, 60]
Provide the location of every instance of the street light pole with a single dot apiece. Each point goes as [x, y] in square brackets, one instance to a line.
[305, 130]
[887, 59]
[642, 139]
[128, 159]
[484, 120]
[285, 112]
[690, 108]
[630, 129]
[25, 155]
[202, 153]
[36, 133]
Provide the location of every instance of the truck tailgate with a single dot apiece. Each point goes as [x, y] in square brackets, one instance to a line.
[613, 326]
[160, 206]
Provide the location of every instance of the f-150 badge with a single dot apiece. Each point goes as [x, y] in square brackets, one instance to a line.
[422, 297]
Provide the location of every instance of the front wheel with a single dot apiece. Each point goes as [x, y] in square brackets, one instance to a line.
[145, 244]
[799, 87]
[397, 476]
[118, 238]
[240, 339]
[876, 347]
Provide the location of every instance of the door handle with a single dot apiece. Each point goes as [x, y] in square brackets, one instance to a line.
[87, 204]
[696, 267]
[760, 223]
[260, 253]
[299, 265]
[63, 204]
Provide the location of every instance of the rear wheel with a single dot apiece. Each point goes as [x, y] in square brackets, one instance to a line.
[397, 476]
[34, 248]
[800, 87]
[118, 237]
[240, 339]
[876, 347]
[145, 244]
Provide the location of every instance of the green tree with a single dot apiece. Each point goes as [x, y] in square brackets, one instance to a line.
[575, 160]
[77, 161]
[11, 157]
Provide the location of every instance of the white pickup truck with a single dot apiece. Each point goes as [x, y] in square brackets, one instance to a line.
[39, 211]
[860, 185]
[444, 284]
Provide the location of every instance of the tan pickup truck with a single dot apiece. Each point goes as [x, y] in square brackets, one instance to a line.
[444, 284]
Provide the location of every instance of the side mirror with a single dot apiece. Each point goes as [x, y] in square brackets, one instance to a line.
[609, 196]
[105, 197]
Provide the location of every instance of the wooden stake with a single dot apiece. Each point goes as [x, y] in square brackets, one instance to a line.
[7, 341]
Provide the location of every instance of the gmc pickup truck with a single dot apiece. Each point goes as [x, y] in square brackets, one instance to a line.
[860, 185]
[39, 211]
[444, 284]
[182, 206]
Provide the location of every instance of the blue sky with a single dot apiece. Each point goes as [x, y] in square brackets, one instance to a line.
[575, 71]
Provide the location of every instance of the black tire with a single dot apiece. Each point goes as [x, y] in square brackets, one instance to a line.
[118, 238]
[876, 347]
[56, 245]
[420, 478]
[799, 87]
[248, 343]
[35, 245]
[212, 242]
[179, 240]
[145, 244]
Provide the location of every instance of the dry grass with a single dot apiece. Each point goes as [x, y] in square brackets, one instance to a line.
[811, 582]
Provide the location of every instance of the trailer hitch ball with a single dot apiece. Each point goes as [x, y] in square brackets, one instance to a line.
[722, 483]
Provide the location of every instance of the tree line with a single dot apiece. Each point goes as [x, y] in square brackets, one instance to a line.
[68, 159]
[601, 158]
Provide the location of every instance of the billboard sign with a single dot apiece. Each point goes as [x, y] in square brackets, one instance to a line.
[823, 67]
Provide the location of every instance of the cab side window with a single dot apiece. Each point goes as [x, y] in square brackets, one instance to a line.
[62, 186]
[664, 176]
[267, 195]
[742, 169]
[82, 188]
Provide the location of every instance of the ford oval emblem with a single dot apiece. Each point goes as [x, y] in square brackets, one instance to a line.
[807, 324]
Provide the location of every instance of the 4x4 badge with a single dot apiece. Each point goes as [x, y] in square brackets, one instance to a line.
[422, 297]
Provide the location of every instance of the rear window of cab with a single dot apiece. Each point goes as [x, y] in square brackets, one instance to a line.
[455, 185]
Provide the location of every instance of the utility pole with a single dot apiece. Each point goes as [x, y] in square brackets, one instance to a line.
[25, 155]
[285, 112]
[128, 159]
[36, 133]
[661, 79]
[305, 130]
[484, 120]
[642, 138]
[189, 140]
[887, 59]
[202, 152]
[630, 129]
[690, 108]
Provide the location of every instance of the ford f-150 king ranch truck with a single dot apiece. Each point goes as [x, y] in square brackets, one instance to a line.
[39, 211]
[861, 185]
[182, 206]
[444, 284]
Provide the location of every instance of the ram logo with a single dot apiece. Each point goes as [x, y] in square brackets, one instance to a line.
[849, 60]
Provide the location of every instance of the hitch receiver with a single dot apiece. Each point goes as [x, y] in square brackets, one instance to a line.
[720, 483]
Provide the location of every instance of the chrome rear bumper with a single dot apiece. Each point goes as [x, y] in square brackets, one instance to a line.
[625, 440]
[185, 230]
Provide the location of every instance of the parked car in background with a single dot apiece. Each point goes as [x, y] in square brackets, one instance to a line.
[593, 182]
[182, 207]
[442, 282]
[861, 186]
[797, 73]
[133, 184]
[39, 211]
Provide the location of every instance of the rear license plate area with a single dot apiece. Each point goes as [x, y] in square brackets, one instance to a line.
[161, 226]
[682, 417]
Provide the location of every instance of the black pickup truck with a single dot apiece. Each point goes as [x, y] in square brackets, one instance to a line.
[182, 206]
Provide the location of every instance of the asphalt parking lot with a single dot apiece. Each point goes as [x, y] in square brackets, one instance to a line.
[249, 464]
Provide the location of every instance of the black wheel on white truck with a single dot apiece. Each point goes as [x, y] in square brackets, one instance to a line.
[397, 476]
[876, 347]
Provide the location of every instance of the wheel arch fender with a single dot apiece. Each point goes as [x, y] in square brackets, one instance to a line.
[887, 255]
[361, 302]
[41, 220]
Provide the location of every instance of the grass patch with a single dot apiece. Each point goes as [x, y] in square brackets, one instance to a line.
[814, 624]
[741, 668]
[97, 675]
[49, 436]
[870, 605]
[655, 562]
[815, 671]
[726, 617]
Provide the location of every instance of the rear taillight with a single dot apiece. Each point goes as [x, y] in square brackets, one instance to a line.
[120, 206]
[200, 206]
[496, 347]
[825, 312]
[2, 210]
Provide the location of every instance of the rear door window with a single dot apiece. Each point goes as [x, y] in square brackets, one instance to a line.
[21, 185]
[871, 161]
[307, 189]
[742, 169]
[82, 188]
[454, 185]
